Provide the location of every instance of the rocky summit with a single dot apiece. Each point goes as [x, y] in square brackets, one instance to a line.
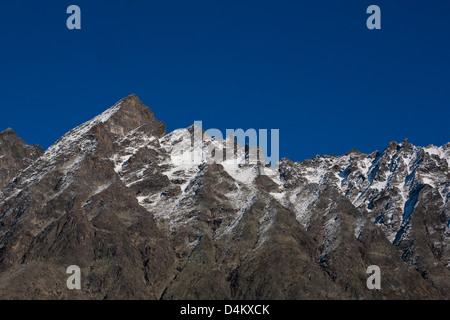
[116, 197]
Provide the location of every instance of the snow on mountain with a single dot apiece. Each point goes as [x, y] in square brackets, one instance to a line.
[199, 198]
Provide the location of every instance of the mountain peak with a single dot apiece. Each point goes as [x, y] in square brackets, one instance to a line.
[10, 137]
[109, 127]
[132, 96]
[15, 155]
[8, 132]
[131, 113]
[353, 151]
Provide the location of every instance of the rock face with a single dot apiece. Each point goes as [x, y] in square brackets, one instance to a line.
[15, 155]
[125, 202]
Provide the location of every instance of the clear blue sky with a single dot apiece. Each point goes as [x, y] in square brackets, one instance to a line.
[309, 68]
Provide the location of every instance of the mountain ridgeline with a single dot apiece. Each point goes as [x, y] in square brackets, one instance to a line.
[116, 197]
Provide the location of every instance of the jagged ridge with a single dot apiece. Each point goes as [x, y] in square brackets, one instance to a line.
[117, 197]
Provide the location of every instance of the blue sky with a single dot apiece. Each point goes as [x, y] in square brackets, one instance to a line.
[308, 68]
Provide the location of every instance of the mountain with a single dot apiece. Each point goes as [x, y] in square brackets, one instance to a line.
[123, 200]
[15, 155]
